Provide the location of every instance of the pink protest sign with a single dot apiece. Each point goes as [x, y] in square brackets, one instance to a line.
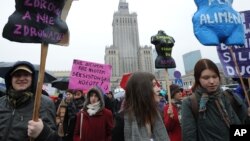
[85, 75]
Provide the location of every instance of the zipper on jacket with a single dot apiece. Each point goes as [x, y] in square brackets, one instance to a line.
[10, 123]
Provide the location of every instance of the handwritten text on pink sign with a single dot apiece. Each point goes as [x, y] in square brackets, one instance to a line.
[85, 75]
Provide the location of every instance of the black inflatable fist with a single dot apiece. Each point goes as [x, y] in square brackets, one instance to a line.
[36, 21]
[163, 45]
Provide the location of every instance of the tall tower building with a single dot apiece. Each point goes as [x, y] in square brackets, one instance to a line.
[126, 38]
[126, 55]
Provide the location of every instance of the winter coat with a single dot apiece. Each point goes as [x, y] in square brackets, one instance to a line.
[118, 131]
[109, 103]
[97, 127]
[209, 126]
[69, 121]
[94, 128]
[14, 121]
[172, 125]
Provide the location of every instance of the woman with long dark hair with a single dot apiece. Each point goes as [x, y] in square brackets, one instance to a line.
[213, 115]
[139, 119]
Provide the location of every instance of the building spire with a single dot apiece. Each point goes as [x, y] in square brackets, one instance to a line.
[123, 6]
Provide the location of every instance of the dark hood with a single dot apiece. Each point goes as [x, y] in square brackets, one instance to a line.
[99, 92]
[19, 63]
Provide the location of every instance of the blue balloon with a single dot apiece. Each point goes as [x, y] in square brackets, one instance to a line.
[216, 22]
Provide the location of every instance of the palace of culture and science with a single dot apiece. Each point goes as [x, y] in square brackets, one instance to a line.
[126, 55]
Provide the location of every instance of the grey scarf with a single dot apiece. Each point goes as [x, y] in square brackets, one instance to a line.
[132, 131]
[205, 96]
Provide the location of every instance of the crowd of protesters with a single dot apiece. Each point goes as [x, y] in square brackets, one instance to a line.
[144, 113]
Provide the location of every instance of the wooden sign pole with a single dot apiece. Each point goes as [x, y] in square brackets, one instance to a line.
[39, 86]
[169, 95]
[44, 50]
[238, 73]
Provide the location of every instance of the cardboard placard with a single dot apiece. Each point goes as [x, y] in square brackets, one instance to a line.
[36, 21]
[85, 75]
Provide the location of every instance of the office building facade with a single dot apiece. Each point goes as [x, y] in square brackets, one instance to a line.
[190, 59]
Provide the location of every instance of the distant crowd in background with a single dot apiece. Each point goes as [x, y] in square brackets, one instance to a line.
[142, 112]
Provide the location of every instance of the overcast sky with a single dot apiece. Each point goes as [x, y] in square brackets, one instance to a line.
[90, 25]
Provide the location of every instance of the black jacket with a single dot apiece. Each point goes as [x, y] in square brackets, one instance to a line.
[118, 130]
[14, 121]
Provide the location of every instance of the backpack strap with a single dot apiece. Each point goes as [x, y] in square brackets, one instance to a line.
[237, 104]
[194, 106]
